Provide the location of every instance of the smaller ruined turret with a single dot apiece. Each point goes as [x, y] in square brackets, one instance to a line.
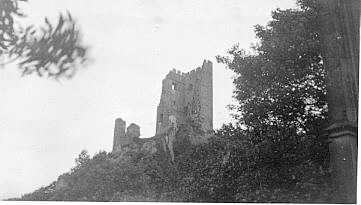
[122, 138]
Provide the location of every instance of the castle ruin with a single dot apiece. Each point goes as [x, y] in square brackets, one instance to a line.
[186, 98]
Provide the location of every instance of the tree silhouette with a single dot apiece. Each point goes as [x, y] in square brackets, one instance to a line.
[50, 50]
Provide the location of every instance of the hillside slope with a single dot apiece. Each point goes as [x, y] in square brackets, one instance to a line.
[219, 170]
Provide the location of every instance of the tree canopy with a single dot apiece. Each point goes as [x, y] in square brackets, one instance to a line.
[281, 87]
[283, 83]
[281, 93]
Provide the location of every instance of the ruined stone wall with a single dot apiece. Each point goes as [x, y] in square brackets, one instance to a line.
[126, 143]
[186, 97]
[129, 141]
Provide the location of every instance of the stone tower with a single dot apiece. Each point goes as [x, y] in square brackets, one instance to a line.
[186, 97]
[122, 138]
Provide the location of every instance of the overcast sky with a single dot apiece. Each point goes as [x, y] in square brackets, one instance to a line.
[45, 124]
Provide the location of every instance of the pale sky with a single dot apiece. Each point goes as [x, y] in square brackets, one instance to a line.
[45, 124]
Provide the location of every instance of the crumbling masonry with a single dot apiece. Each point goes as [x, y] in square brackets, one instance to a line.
[122, 138]
[187, 97]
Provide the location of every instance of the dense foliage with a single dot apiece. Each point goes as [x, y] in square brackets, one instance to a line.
[51, 50]
[281, 95]
[105, 177]
[282, 84]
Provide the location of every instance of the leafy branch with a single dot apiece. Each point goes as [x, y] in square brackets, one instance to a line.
[50, 50]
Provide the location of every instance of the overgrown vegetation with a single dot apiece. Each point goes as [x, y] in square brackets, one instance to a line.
[274, 153]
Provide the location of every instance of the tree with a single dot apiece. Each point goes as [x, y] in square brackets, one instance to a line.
[281, 94]
[281, 88]
[51, 50]
[282, 84]
[82, 160]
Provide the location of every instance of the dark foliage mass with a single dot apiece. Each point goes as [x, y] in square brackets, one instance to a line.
[282, 102]
[108, 178]
[50, 50]
[274, 153]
